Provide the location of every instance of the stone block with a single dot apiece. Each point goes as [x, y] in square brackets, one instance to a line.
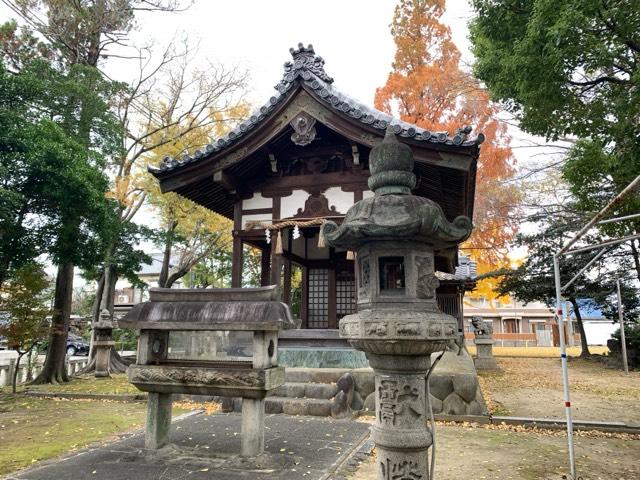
[294, 390]
[273, 405]
[294, 407]
[466, 386]
[320, 390]
[475, 408]
[319, 407]
[370, 403]
[454, 405]
[441, 386]
[436, 404]
[365, 382]
[357, 403]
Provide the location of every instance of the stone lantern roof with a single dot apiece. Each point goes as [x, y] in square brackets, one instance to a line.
[393, 213]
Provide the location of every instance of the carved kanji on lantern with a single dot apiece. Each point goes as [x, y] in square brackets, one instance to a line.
[405, 470]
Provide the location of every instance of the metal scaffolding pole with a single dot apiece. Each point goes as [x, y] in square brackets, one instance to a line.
[623, 341]
[560, 315]
[583, 269]
[616, 200]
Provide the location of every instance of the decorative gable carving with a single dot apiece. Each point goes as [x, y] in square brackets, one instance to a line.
[317, 205]
[305, 130]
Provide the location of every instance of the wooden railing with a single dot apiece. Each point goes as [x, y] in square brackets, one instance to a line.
[73, 365]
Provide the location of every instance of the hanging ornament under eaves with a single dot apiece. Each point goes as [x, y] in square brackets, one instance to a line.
[267, 235]
[296, 232]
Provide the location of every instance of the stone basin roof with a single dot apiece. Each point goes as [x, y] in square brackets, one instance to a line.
[308, 69]
[209, 316]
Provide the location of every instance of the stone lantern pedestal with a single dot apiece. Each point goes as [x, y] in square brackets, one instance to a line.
[103, 342]
[484, 359]
[484, 354]
[398, 324]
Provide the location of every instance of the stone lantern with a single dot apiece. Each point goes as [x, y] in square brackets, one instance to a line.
[103, 343]
[398, 324]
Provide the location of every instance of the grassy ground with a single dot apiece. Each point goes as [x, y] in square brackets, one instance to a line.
[34, 429]
[501, 453]
[532, 387]
[116, 384]
[538, 352]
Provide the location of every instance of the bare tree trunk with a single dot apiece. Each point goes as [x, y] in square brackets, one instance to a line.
[636, 257]
[95, 310]
[14, 380]
[166, 258]
[583, 337]
[54, 369]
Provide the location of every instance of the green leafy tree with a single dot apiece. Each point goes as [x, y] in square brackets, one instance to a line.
[533, 280]
[569, 68]
[57, 137]
[23, 306]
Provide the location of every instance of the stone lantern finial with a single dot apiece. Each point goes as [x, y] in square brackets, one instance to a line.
[391, 167]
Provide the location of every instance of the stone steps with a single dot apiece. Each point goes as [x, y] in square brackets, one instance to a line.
[319, 407]
[306, 390]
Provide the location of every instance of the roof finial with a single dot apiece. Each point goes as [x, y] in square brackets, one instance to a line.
[305, 59]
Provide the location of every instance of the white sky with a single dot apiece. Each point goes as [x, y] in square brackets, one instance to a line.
[351, 35]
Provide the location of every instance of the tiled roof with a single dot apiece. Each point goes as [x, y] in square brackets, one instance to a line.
[308, 68]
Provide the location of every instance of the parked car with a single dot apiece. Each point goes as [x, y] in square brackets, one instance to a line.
[76, 345]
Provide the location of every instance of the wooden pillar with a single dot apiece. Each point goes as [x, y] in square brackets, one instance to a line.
[332, 300]
[286, 282]
[237, 258]
[265, 266]
[275, 268]
[304, 300]
[275, 259]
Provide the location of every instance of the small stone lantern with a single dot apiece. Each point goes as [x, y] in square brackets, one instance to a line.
[103, 342]
[398, 324]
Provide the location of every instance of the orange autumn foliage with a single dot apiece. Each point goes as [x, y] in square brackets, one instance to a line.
[428, 87]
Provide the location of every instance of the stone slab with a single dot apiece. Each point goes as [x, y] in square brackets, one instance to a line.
[208, 447]
[230, 382]
[321, 357]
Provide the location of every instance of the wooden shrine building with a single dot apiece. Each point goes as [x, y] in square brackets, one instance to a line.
[303, 158]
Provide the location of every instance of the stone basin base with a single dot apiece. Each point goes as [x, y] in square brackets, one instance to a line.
[310, 391]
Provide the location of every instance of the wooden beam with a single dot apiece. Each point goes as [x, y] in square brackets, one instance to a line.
[265, 266]
[226, 181]
[237, 257]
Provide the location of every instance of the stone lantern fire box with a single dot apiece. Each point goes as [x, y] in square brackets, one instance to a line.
[209, 342]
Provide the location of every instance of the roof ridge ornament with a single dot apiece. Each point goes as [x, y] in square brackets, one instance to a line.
[305, 63]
